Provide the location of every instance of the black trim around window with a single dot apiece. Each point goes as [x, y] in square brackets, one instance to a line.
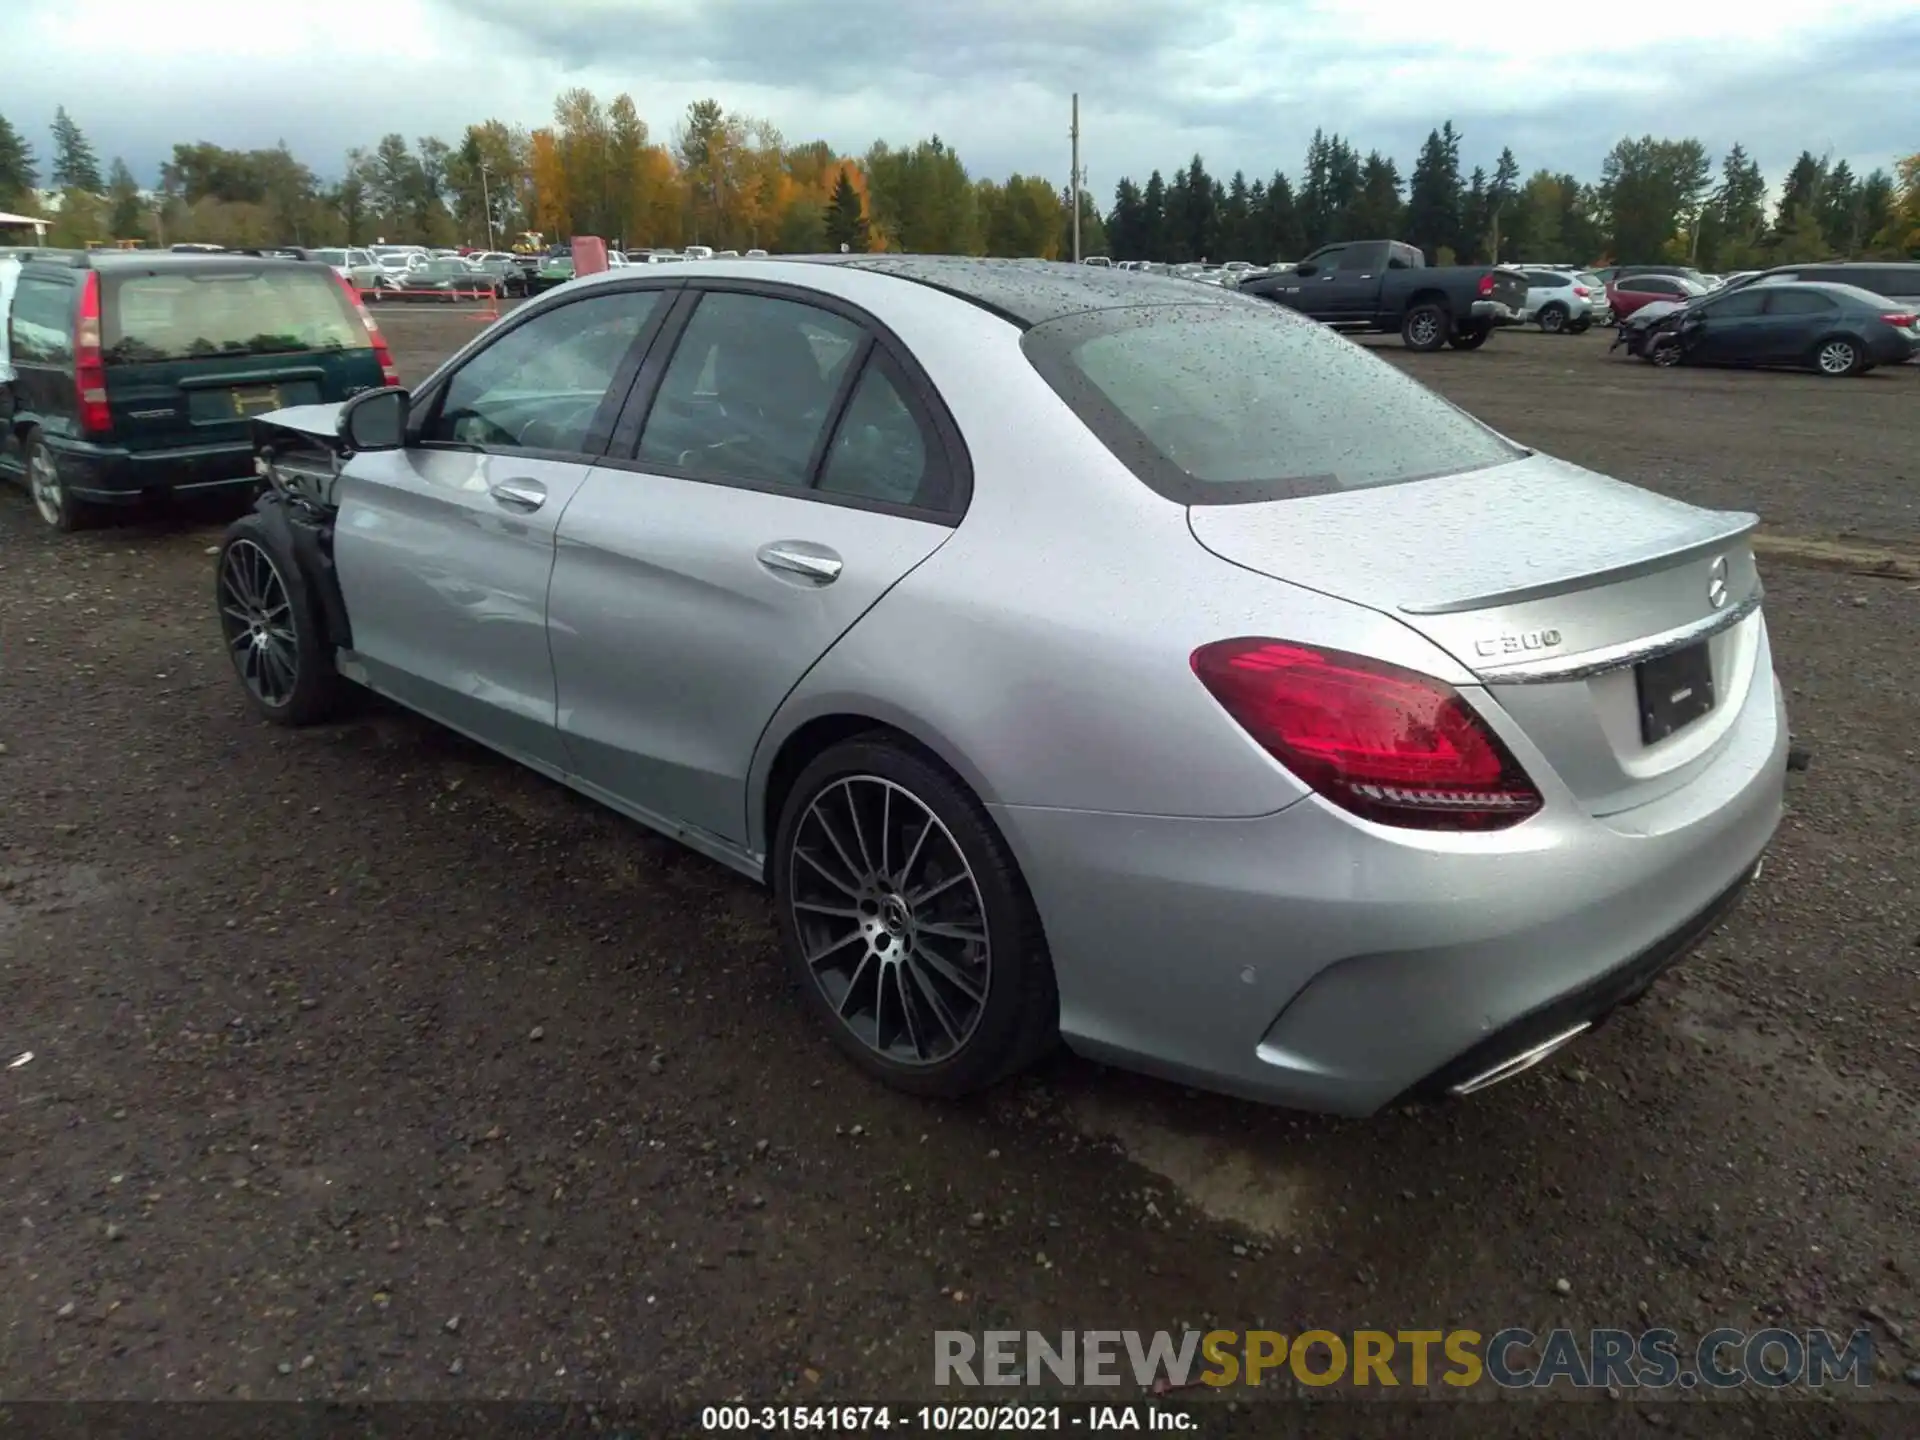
[919, 395]
[425, 407]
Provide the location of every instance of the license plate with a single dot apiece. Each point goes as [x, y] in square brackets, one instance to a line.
[1675, 690]
[257, 401]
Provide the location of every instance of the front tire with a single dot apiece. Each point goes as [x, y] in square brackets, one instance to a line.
[272, 628]
[56, 505]
[906, 923]
[1425, 327]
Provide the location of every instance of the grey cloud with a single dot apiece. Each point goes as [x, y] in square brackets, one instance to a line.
[853, 44]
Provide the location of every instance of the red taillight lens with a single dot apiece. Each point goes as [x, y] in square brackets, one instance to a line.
[89, 362]
[380, 352]
[1486, 285]
[1388, 744]
[1582, 291]
[1905, 322]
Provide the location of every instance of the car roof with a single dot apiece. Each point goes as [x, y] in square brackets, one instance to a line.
[1032, 292]
[110, 262]
[1024, 293]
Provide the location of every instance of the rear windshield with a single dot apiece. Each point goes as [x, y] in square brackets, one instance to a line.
[1245, 402]
[198, 315]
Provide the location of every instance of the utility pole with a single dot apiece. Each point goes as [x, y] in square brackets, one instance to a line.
[486, 202]
[1075, 186]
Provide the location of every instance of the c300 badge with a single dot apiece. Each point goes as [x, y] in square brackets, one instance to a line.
[1517, 642]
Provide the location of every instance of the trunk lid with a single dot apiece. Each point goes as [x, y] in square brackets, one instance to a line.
[1551, 584]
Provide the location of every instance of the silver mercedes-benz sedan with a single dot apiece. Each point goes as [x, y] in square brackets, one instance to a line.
[1075, 655]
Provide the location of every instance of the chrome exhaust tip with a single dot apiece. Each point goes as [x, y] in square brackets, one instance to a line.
[1517, 1064]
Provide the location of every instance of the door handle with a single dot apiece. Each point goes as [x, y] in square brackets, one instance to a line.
[519, 494]
[798, 557]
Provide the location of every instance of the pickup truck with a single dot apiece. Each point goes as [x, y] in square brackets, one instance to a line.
[1384, 285]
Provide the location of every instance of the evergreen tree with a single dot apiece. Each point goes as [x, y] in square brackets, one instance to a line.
[1126, 225]
[18, 172]
[1282, 233]
[75, 166]
[846, 221]
[1153, 219]
[126, 215]
[1433, 193]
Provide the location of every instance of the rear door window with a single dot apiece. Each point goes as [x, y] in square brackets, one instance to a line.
[1363, 259]
[884, 450]
[1799, 302]
[749, 391]
[42, 323]
[1212, 405]
[206, 314]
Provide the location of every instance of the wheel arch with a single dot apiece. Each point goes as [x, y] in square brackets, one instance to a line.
[310, 542]
[1427, 295]
[793, 740]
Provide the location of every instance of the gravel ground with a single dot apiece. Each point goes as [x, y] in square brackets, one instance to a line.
[365, 1065]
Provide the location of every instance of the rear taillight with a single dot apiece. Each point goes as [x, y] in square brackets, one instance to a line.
[1387, 744]
[1582, 291]
[1486, 284]
[1905, 322]
[380, 352]
[89, 362]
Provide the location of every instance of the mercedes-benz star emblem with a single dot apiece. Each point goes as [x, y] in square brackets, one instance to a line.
[1717, 584]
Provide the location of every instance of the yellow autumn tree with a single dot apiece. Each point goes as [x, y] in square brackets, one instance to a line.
[552, 205]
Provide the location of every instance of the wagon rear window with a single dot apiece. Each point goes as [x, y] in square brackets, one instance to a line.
[198, 315]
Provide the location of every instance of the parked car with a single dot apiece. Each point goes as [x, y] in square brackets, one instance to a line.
[450, 281]
[398, 264]
[1834, 330]
[1624, 296]
[557, 270]
[1562, 300]
[1385, 285]
[1025, 762]
[1896, 280]
[360, 269]
[509, 279]
[138, 373]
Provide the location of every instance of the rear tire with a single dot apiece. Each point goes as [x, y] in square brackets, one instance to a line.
[1581, 326]
[1552, 319]
[272, 628]
[896, 974]
[1838, 357]
[1471, 338]
[1425, 327]
[57, 506]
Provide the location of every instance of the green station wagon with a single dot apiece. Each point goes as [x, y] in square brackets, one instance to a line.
[137, 375]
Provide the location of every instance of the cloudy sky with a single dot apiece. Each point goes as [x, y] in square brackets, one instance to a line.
[1243, 84]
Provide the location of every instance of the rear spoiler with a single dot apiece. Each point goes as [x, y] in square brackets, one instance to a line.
[1718, 529]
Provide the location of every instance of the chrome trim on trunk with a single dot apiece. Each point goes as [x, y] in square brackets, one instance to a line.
[1588, 663]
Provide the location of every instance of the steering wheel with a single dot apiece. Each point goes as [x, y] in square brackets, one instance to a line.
[547, 433]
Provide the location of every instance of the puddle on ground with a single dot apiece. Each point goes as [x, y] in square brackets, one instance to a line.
[1220, 1177]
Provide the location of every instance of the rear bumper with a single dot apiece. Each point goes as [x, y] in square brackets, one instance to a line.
[107, 475]
[1494, 312]
[1310, 960]
[1534, 1036]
